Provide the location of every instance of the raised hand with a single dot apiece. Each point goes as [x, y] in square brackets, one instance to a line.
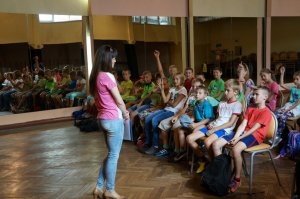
[156, 53]
[282, 70]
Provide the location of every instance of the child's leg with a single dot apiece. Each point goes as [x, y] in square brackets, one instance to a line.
[176, 140]
[220, 143]
[165, 125]
[191, 139]
[208, 141]
[155, 122]
[148, 127]
[282, 118]
[237, 157]
[243, 144]
[181, 136]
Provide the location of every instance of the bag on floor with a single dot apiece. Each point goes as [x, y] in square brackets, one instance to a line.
[88, 125]
[293, 145]
[217, 175]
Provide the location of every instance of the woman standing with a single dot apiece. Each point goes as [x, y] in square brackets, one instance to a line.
[111, 111]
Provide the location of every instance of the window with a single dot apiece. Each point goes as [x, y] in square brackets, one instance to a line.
[154, 20]
[49, 18]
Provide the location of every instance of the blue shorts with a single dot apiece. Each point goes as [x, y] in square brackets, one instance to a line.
[219, 133]
[249, 141]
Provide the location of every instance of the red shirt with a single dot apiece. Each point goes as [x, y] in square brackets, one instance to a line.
[188, 84]
[262, 116]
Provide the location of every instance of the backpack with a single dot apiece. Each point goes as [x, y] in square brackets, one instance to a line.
[217, 175]
[88, 125]
[293, 145]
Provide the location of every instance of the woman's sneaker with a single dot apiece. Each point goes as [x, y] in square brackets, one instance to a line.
[234, 185]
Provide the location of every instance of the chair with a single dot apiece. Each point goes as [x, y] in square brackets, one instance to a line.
[262, 148]
[292, 124]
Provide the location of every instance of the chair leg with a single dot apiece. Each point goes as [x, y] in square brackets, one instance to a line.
[293, 184]
[192, 163]
[251, 173]
[245, 165]
[271, 157]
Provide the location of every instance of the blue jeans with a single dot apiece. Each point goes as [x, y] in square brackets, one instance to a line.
[140, 109]
[113, 131]
[151, 126]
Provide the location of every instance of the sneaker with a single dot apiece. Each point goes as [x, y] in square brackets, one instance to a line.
[234, 185]
[172, 156]
[143, 148]
[162, 153]
[201, 167]
[179, 156]
[152, 150]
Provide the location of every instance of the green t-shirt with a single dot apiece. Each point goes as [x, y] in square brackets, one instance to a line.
[128, 86]
[215, 86]
[50, 85]
[147, 88]
[171, 81]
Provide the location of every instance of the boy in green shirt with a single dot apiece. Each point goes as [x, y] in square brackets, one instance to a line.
[216, 86]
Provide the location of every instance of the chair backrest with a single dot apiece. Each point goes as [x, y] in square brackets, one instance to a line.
[271, 134]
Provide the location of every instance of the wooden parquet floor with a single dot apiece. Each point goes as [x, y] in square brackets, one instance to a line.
[58, 161]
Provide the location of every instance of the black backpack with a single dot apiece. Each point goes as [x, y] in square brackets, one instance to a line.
[217, 175]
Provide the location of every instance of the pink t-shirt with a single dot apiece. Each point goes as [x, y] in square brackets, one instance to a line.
[106, 105]
[274, 88]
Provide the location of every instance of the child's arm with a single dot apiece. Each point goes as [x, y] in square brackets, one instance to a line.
[159, 66]
[282, 70]
[197, 124]
[79, 87]
[235, 139]
[177, 101]
[228, 124]
[179, 113]
[292, 107]
[165, 97]
[217, 95]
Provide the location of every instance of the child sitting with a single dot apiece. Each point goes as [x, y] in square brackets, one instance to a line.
[146, 88]
[175, 100]
[202, 113]
[252, 131]
[228, 111]
[126, 86]
[268, 80]
[175, 121]
[246, 84]
[80, 90]
[216, 86]
[189, 77]
[290, 109]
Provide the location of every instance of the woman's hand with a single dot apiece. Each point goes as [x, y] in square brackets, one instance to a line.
[125, 115]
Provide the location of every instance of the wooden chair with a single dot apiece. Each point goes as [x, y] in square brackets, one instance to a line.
[262, 148]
